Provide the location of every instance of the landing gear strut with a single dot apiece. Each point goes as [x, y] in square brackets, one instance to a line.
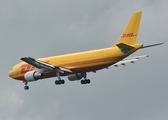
[85, 80]
[26, 87]
[59, 81]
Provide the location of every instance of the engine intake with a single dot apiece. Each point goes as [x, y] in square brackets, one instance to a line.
[33, 76]
[77, 76]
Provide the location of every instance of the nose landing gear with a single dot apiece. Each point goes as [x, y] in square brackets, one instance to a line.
[26, 87]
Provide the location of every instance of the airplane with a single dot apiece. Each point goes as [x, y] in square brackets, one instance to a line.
[77, 65]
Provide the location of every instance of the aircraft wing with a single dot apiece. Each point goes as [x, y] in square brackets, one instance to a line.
[44, 66]
[129, 60]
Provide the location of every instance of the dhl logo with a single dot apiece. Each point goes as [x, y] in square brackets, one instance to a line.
[128, 35]
[23, 69]
[14, 73]
[26, 67]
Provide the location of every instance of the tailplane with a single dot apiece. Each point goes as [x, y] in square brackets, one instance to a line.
[130, 33]
[124, 47]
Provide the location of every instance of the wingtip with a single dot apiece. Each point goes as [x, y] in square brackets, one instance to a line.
[24, 57]
[152, 45]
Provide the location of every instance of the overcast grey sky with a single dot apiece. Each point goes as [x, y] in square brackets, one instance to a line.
[41, 28]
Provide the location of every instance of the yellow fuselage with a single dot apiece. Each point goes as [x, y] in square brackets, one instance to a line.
[77, 62]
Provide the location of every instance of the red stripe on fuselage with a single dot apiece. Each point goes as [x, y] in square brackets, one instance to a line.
[75, 70]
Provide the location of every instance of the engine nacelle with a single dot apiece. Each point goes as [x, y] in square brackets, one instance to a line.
[74, 77]
[33, 76]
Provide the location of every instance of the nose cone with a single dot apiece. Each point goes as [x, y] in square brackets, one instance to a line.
[10, 74]
[15, 74]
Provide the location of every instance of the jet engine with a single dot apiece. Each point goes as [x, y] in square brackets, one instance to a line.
[74, 77]
[33, 76]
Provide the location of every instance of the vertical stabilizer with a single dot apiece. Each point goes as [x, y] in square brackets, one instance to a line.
[130, 33]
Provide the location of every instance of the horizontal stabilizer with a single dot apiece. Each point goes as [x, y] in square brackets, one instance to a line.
[124, 47]
[152, 45]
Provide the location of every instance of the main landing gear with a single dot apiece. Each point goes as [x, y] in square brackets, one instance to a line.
[85, 80]
[59, 81]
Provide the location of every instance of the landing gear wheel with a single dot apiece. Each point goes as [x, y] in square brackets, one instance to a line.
[87, 81]
[82, 82]
[62, 81]
[26, 87]
[59, 82]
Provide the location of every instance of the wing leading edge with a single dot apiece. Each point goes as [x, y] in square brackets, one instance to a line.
[45, 66]
[129, 60]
